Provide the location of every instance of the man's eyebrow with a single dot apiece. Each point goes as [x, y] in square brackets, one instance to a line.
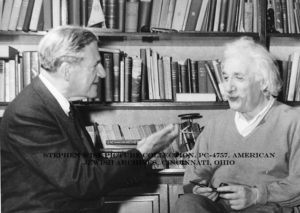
[239, 73]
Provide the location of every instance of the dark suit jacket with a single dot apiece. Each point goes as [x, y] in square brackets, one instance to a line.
[36, 174]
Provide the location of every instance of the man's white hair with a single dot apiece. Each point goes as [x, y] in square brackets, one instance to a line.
[63, 44]
[264, 66]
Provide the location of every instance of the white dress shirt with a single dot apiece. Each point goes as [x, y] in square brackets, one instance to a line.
[63, 102]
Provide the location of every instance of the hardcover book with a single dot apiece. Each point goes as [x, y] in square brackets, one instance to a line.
[164, 14]
[25, 26]
[116, 68]
[65, 12]
[2, 80]
[144, 16]
[161, 79]
[121, 16]
[167, 77]
[170, 13]
[174, 73]
[1, 10]
[179, 14]
[74, 12]
[184, 78]
[131, 15]
[7, 9]
[14, 15]
[136, 79]
[193, 15]
[128, 79]
[109, 79]
[194, 74]
[202, 78]
[56, 13]
[155, 14]
[47, 5]
[201, 16]
[213, 81]
[83, 12]
[144, 75]
[111, 14]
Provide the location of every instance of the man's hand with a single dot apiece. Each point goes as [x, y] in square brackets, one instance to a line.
[240, 197]
[158, 141]
[205, 191]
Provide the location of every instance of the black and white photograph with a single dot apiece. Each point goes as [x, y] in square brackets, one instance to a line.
[150, 106]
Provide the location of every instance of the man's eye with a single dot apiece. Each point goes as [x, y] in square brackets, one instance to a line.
[225, 78]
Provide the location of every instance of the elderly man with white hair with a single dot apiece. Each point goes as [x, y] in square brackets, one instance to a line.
[253, 148]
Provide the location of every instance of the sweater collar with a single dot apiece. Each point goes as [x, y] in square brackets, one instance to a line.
[245, 127]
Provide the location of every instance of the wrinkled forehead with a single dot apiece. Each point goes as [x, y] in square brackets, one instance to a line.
[239, 64]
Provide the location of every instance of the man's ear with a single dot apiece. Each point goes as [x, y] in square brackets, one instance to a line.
[264, 87]
[65, 70]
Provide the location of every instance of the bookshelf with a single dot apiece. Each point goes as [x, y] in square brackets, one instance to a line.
[94, 106]
[180, 45]
[154, 105]
[163, 41]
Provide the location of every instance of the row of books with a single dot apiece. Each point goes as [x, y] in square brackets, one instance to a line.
[42, 15]
[16, 72]
[284, 16]
[290, 74]
[154, 77]
[131, 15]
[183, 15]
[115, 137]
[129, 79]
[150, 77]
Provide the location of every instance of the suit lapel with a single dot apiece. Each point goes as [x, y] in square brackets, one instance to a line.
[64, 122]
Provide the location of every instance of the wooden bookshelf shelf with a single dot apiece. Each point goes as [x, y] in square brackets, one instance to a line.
[284, 35]
[174, 36]
[163, 105]
[283, 38]
[155, 105]
[293, 103]
[115, 35]
[22, 33]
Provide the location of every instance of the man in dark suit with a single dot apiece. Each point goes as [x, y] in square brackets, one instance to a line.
[49, 163]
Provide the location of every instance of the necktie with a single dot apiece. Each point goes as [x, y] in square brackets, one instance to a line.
[98, 142]
[74, 115]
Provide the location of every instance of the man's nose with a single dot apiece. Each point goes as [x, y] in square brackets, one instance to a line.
[228, 86]
[101, 71]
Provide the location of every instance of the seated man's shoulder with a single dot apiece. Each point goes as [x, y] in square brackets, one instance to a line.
[286, 110]
[287, 114]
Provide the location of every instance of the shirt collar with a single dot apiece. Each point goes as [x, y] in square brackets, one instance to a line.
[63, 102]
[244, 126]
